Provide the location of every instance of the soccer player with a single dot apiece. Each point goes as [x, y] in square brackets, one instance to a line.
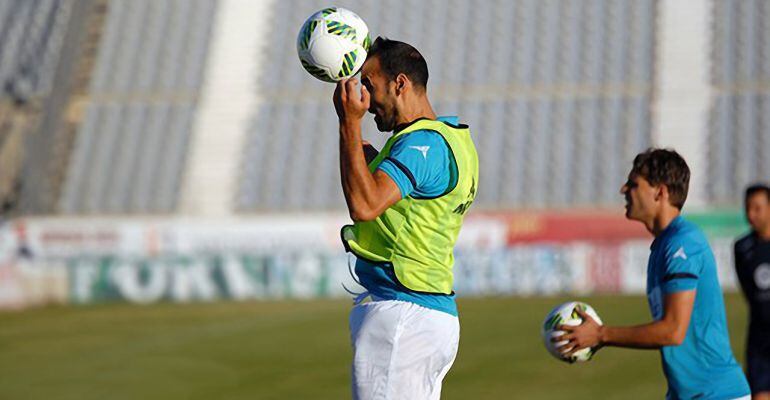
[408, 204]
[689, 325]
[752, 263]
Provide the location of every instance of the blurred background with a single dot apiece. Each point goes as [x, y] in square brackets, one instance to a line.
[175, 151]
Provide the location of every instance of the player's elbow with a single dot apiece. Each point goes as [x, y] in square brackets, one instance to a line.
[362, 214]
[675, 336]
[364, 209]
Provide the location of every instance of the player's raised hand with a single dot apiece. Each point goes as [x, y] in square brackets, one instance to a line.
[587, 334]
[351, 105]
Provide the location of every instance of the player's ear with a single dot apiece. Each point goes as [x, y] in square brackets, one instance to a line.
[661, 192]
[402, 82]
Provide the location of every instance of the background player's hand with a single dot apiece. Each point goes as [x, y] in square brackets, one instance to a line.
[587, 334]
[350, 102]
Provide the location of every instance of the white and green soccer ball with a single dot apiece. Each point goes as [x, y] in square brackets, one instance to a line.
[332, 44]
[566, 314]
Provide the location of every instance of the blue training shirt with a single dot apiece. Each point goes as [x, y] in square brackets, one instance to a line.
[419, 163]
[703, 366]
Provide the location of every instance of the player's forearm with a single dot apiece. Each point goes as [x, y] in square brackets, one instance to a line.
[648, 336]
[357, 182]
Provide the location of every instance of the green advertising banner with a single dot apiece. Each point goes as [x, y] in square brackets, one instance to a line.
[206, 277]
[726, 224]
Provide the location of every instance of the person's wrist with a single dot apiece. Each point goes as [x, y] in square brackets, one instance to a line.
[602, 335]
[350, 125]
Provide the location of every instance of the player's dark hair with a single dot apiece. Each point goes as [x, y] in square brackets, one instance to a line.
[664, 166]
[400, 58]
[757, 188]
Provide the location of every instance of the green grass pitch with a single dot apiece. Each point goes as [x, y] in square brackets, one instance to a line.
[300, 350]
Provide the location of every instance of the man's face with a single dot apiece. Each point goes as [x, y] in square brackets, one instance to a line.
[758, 210]
[383, 95]
[641, 203]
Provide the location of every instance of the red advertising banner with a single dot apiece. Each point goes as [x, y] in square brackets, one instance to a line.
[554, 227]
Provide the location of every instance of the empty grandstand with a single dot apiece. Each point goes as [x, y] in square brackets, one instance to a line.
[558, 94]
[101, 98]
[739, 122]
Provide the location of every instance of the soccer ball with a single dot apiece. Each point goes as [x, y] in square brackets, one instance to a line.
[566, 314]
[332, 44]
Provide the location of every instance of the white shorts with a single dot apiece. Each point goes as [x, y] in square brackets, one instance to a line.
[401, 350]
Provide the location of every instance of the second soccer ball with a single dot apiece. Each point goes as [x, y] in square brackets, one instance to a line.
[566, 314]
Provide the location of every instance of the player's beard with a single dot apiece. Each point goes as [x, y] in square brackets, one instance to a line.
[386, 121]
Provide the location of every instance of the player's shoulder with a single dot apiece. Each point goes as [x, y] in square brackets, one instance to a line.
[428, 135]
[425, 135]
[745, 243]
[424, 140]
[690, 232]
[687, 240]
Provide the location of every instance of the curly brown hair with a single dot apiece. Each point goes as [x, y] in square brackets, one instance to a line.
[667, 167]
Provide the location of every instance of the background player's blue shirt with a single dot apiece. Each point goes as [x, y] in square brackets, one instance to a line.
[703, 366]
[419, 163]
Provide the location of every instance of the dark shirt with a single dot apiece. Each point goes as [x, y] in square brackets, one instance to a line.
[752, 263]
